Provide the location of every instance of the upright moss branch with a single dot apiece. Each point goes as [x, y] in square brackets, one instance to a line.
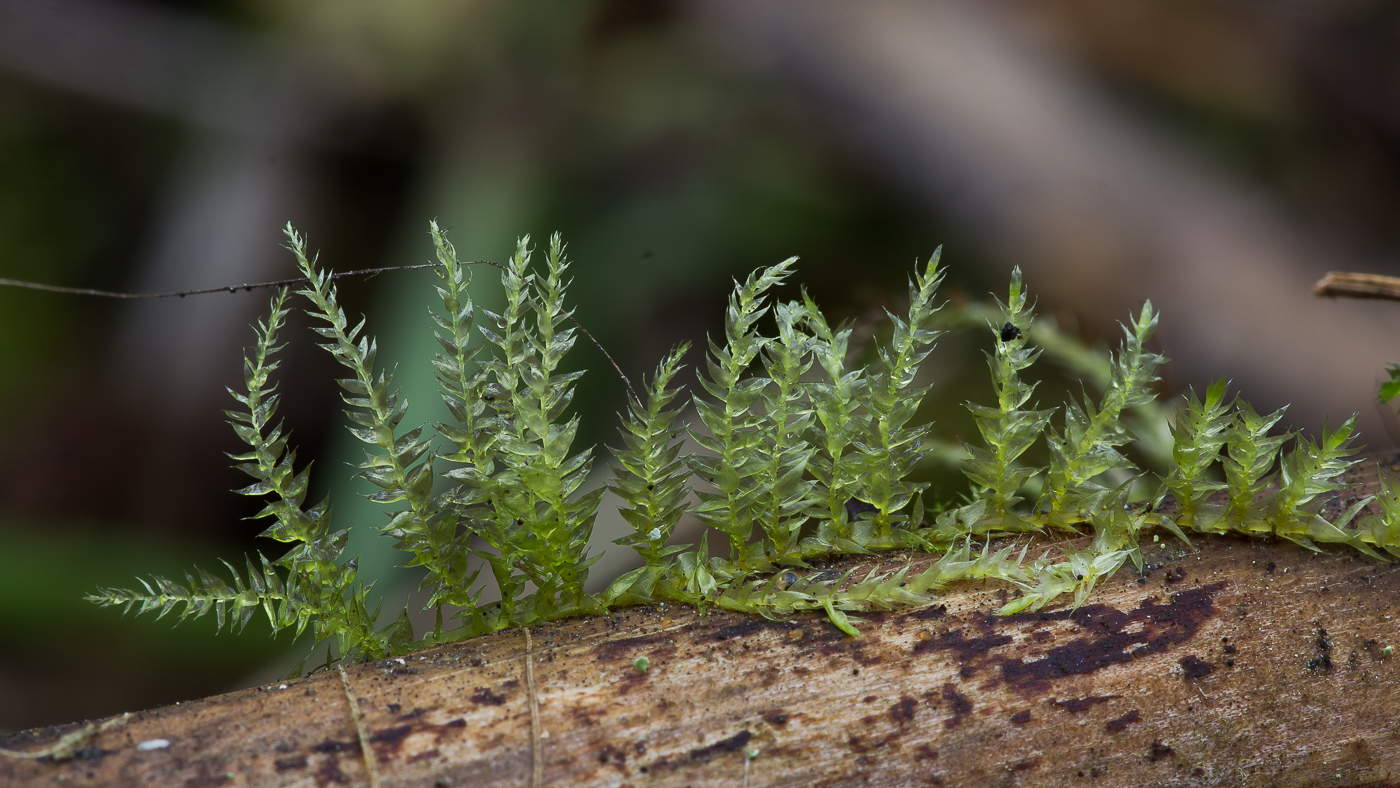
[1198, 435]
[651, 479]
[317, 590]
[1007, 429]
[1252, 452]
[890, 449]
[539, 529]
[403, 470]
[1092, 436]
[782, 449]
[835, 429]
[734, 428]
[462, 382]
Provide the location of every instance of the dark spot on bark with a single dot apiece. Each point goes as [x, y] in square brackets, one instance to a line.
[861, 658]
[393, 737]
[928, 613]
[1021, 717]
[868, 699]
[1230, 649]
[1075, 705]
[1323, 662]
[1159, 751]
[1106, 642]
[485, 697]
[330, 773]
[1271, 566]
[615, 756]
[1176, 574]
[1198, 772]
[1120, 723]
[394, 708]
[746, 628]
[583, 716]
[970, 651]
[283, 764]
[925, 753]
[331, 745]
[903, 711]
[860, 744]
[1193, 667]
[1027, 764]
[425, 755]
[628, 648]
[721, 747]
[961, 705]
[775, 718]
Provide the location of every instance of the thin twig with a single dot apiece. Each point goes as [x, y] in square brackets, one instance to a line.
[371, 770]
[249, 287]
[1353, 285]
[608, 356]
[536, 744]
[226, 289]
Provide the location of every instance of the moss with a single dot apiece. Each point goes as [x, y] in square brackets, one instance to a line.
[805, 457]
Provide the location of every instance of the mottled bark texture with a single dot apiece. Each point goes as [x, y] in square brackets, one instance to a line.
[1240, 663]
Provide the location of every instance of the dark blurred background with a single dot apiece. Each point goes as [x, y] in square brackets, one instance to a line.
[1216, 156]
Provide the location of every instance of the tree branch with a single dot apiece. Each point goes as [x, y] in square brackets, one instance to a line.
[1247, 662]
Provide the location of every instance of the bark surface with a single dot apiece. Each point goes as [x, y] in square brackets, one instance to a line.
[1235, 663]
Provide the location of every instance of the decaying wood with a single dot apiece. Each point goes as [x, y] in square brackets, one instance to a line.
[1242, 663]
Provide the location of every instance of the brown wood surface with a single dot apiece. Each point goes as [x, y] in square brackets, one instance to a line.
[1240, 663]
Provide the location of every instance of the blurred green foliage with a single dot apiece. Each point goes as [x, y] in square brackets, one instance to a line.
[74, 179]
[56, 639]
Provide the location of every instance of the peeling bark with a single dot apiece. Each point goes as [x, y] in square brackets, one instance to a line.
[1240, 663]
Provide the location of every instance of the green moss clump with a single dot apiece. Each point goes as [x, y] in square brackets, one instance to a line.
[805, 457]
